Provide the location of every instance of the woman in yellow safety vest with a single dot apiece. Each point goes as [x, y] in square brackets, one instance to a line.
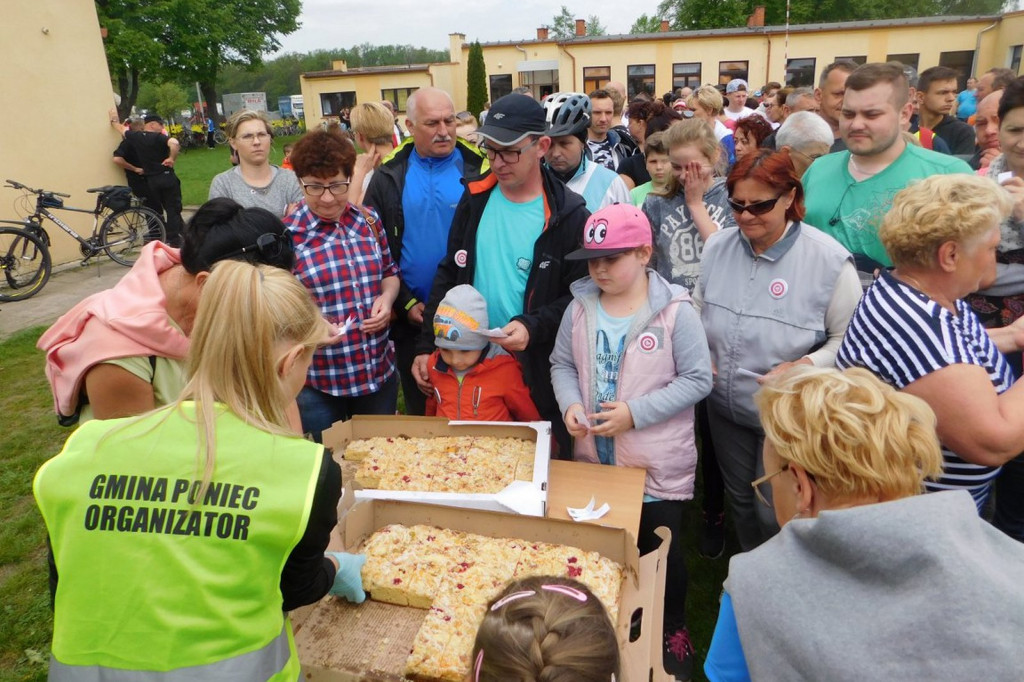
[181, 537]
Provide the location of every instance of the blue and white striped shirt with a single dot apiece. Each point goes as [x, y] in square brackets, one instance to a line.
[901, 335]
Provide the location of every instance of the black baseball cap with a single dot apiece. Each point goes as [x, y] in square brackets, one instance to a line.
[153, 118]
[512, 118]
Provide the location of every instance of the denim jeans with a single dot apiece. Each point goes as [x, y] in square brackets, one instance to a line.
[320, 410]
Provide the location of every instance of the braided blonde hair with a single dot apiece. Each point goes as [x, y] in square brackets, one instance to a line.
[546, 629]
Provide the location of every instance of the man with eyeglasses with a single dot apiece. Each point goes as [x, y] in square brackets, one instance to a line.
[806, 136]
[511, 232]
[415, 192]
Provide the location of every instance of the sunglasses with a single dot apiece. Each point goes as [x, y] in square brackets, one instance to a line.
[756, 208]
[268, 245]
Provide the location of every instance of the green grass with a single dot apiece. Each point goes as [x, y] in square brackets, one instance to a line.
[196, 168]
[32, 435]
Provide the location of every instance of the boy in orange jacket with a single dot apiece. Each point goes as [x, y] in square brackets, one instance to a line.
[473, 378]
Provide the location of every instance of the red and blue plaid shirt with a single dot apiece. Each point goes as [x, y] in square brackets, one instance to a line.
[342, 264]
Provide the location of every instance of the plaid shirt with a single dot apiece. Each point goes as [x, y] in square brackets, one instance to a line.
[342, 264]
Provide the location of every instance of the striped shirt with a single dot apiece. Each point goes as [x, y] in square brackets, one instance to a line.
[342, 264]
[901, 335]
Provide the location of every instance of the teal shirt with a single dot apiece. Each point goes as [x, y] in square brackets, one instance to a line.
[638, 194]
[504, 254]
[852, 211]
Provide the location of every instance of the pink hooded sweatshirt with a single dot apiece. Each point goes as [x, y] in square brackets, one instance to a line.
[125, 321]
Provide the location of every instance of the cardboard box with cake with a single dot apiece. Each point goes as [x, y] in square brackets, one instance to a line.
[432, 570]
[501, 466]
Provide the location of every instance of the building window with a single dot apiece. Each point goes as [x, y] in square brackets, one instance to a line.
[640, 78]
[729, 70]
[960, 61]
[397, 96]
[856, 59]
[596, 77]
[501, 85]
[1015, 54]
[800, 72]
[331, 103]
[686, 75]
[908, 59]
[541, 83]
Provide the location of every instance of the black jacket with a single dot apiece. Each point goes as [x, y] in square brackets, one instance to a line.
[547, 286]
[384, 195]
[958, 135]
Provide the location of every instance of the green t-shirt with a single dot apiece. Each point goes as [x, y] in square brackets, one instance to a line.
[166, 375]
[852, 211]
[504, 254]
[638, 194]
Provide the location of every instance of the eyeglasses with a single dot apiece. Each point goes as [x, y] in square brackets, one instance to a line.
[756, 208]
[269, 245]
[811, 157]
[509, 156]
[338, 189]
[249, 138]
[759, 483]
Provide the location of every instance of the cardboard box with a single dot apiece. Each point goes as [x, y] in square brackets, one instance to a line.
[520, 497]
[342, 642]
[572, 484]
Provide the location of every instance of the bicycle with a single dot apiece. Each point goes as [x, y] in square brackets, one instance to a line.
[25, 262]
[121, 227]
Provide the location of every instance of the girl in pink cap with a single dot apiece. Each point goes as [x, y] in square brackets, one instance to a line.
[630, 362]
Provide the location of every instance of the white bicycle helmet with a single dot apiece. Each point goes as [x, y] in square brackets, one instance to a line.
[567, 113]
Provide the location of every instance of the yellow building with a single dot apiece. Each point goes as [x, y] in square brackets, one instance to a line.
[664, 61]
[56, 132]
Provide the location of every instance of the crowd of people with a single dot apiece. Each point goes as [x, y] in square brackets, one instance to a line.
[815, 293]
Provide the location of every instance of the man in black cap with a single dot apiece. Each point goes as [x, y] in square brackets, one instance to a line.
[155, 154]
[510, 234]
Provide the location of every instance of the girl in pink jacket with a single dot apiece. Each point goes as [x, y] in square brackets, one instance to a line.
[630, 362]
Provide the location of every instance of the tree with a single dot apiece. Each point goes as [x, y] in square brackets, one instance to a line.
[563, 25]
[167, 99]
[476, 80]
[595, 27]
[132, 44]
[645, 24]
[204, 35]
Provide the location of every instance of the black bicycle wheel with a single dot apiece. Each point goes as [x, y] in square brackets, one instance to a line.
[25, 261]
[124, 233]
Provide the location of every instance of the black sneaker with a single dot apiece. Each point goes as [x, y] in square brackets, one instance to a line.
[712, 536]
[678, 655]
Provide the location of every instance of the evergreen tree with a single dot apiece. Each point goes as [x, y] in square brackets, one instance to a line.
[476, 80]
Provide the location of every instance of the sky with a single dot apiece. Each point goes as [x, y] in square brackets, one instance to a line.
[426, 23]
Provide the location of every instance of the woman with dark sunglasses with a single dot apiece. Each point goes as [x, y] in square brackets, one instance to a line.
[121, 352]
[773, 292]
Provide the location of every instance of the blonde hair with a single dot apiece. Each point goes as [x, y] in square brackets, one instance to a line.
[700, 134]
[535, 631]
[856, 436]
[940, 209]
[245, 312]
[373, 121]
[708, 98]
[239, 117]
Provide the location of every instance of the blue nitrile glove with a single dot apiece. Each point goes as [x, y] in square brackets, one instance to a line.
[348, 581]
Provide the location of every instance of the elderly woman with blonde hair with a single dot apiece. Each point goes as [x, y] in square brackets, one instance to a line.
[867, 578]
[913, 330]
[373, 127]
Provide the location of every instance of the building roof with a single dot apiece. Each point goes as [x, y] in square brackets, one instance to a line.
[759, 30]
[355, 71]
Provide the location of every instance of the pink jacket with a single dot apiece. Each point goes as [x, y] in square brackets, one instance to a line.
[666, 449]
[125, 321]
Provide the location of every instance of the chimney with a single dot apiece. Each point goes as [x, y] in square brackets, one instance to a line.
[542, 33]
[581, 27]
[757, 18]
[339, 65]
[664, 26]
[456, 41]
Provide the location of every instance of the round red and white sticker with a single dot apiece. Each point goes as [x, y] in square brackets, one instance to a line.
[647, 342]
[461, 258]
[778, 288]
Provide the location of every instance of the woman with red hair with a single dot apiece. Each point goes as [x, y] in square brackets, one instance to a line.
[749, 134]
[773, 292]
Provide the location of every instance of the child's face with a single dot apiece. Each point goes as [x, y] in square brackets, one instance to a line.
[681, 156]
[619, 273]
[660, 168]
[460, 360]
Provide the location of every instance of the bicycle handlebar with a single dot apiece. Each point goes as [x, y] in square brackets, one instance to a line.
[17, 185]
